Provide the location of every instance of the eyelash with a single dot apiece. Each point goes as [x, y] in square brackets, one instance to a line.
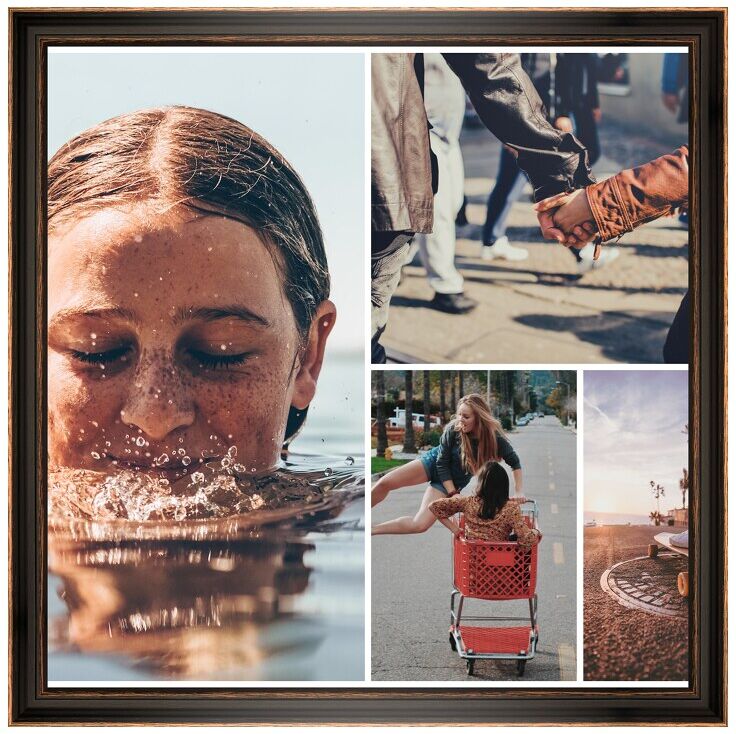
[111, 355]
[218, 361]
[207, 361]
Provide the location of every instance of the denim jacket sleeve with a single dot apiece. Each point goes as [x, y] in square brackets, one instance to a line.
[509, 106]
[444, 457]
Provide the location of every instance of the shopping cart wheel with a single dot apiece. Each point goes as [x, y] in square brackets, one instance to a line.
[520, 665]
[469, 666]
[453, 645]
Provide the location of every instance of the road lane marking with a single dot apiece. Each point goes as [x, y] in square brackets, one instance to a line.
[554, 509]
[552, 486]
[558, 554]
[566, 657]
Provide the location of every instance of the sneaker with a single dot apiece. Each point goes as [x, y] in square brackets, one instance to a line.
[586, 262]
[453, 303]
[502, 249]
[680, 540]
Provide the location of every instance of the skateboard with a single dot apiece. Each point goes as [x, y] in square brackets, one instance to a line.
[665, 540]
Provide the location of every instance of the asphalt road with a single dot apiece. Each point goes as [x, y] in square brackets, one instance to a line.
[412, 576]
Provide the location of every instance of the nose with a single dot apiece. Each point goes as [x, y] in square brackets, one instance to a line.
[159, 399]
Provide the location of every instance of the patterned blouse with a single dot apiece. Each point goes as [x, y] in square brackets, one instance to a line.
[508, 519]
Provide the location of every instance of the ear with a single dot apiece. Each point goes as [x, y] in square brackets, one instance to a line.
[305, 383]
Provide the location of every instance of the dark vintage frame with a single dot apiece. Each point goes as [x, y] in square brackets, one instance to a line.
[32, 32]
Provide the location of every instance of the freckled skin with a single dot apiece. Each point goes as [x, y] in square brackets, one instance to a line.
[161, 388]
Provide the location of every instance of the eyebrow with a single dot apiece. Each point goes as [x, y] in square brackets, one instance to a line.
[112, 312]
[221, 312]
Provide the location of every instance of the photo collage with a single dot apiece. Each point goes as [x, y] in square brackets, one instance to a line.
[379, 381]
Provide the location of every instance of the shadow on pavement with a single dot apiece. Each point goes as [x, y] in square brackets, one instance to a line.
[625, 338]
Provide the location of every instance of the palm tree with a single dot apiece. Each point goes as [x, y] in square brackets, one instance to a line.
[425, 376]
[657, 491]
[382, 438]
[443, 407]
[684, 485]
[453, 394]
[409, 446]
[655, 517]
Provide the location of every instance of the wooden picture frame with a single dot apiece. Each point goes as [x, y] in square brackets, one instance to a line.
[32, 32]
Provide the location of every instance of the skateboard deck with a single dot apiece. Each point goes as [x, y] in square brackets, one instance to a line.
[664, 540]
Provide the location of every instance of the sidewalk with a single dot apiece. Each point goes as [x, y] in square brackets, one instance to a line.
[538, 310]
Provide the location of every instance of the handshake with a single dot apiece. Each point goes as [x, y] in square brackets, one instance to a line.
[567, 218]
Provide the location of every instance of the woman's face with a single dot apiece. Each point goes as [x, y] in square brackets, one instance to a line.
[466, 418]
[170, 340]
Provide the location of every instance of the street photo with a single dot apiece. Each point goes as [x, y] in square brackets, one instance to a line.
[473, 523]
[636, 599]
[553, 218]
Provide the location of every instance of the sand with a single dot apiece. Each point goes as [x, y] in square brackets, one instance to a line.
[624, 644]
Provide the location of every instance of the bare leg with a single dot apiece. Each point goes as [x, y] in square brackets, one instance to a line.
[407, 475]
[421, 522]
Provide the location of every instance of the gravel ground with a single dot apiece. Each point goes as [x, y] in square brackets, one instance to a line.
[621, 643]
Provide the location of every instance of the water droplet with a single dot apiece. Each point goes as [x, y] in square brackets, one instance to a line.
[232, 451]
[328, 472]
[135, 295]
[181, 452]
[95, 423]
[198, 477]
[213, 437]
[186, 460]
[93, 335]
[350, 461]
[223, 347]
[140, 441]
[95, 455]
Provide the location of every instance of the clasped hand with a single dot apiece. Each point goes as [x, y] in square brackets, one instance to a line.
[567, 218]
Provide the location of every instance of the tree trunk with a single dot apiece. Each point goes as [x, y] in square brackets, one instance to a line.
[453, 394]
[426, 404]
[409, 445]
[382, 438]
[443, 407]
[460, 387]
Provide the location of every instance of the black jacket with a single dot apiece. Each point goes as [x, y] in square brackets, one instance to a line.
[402, 171]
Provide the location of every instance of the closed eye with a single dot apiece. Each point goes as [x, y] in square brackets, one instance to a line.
[218, 361]
[107, 357]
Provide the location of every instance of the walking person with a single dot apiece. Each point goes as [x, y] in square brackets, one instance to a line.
[468, 442]
[568, 86]
[404, 170]
[444, 100]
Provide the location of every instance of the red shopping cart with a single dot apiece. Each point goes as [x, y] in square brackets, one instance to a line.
[494, 571]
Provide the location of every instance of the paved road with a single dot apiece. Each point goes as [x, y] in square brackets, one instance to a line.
[412, 578]
[529, 309]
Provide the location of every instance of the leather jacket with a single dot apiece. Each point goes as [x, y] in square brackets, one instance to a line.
[638, 195]
[403, 173]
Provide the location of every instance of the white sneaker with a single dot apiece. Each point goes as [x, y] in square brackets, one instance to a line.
[680, 540]
[502, 249]
[608, 255]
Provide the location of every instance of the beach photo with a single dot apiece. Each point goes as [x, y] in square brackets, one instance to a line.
[205, 366]
[636, 599]
[473, 525]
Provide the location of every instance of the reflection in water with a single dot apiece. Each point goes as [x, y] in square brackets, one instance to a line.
[216, 598]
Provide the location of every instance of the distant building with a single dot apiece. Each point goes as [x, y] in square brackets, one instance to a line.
[633, 96]
[679, 516]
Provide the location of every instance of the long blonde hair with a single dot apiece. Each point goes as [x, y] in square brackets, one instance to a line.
[489, 428]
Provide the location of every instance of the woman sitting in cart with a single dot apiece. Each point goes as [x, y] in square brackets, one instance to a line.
[474, 438]
[489, 514]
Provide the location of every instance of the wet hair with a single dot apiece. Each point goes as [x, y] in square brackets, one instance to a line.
[489, 428]
[493, 489]
[209, 163]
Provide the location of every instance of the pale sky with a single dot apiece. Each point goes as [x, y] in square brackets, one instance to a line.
[633, 434]
[310, 106]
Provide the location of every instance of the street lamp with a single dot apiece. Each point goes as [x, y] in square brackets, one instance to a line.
[567, 416]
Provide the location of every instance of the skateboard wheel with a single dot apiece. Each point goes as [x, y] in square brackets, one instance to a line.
[683, 583]
[653, 550]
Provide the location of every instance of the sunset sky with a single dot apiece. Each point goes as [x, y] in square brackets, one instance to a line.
[633, 433]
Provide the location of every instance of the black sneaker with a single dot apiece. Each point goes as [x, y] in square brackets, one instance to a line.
[453, 303]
